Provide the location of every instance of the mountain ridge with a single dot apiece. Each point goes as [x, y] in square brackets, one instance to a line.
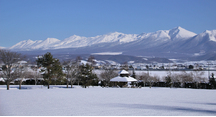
[80, 41]
[174, 42]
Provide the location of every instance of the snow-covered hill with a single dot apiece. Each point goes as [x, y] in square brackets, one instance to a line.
[176, 40]
[2, 47]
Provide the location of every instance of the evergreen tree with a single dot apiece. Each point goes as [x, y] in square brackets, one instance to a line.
[86, 75]
[191, 67]
[212, 81]
[133, 74]
[51, 67]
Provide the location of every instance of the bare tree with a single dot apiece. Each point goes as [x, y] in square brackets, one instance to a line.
[152, 80]
[21, 72]
[171, 78]
[144, 77]
[185, 78]
[125, 66]
[197, 77]
[9, 59]
[107, 74]
[91, 59]
[36, 74]
[72, 71]
[78, 59]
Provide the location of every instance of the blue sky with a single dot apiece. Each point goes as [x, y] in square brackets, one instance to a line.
[40, 19]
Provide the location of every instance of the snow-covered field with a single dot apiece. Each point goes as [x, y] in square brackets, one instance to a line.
[97, 101]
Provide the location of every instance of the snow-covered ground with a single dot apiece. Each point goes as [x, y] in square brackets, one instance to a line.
[97, 101]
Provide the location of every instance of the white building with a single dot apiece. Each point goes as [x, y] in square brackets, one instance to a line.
[123, 79]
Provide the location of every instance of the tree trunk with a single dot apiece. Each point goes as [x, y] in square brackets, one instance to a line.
[48, 82]
[35, 81]
[71, 84]
[8, 85]
[48, 85]
[150, 84]
[67, 83]
[20, 83]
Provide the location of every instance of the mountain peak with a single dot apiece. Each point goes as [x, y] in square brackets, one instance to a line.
[51, 40]
[29, 40]
[2, 47]
[115, 33]
[180, 28]
[180, 33]
[210, 33]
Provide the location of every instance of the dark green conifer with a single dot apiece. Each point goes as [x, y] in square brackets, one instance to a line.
[51, 68]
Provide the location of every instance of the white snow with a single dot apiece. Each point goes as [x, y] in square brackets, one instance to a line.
[1, 79]
[123, 72]
[2, 47]
[46, 44]
[123, 79]
[38, 44]
[207, 35]
[97, 101]
[212, 35]
[107, 53]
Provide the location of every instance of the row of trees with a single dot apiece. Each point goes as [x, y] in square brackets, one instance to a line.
[178, 80]
[184, 79]
[75, 72]
[50, 69]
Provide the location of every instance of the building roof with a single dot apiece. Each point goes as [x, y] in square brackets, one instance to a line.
[123, 72]
[120, 78]
[123, 79]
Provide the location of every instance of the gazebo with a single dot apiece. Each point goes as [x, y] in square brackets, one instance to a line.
[123, 79]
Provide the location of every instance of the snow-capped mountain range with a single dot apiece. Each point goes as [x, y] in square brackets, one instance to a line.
[176, 40]
[74, 41]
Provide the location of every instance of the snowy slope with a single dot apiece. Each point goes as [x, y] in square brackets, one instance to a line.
[77, 41]
[180, 33]
[38, 44]
[203, 42]
[47, 44]
[160, 41]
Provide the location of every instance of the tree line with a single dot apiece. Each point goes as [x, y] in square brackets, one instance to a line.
[192, 79]
[50, 69]
[74, 72]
